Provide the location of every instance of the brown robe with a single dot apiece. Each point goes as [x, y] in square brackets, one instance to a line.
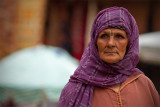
[137, 91]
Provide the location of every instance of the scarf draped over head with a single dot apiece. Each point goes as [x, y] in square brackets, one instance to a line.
[92, 71]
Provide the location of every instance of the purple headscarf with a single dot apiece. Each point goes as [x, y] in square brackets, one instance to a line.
[92, 71]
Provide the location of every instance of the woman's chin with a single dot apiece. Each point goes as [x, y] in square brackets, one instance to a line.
[111, 60]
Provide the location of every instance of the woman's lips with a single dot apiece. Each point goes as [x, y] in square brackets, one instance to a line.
[111, 52]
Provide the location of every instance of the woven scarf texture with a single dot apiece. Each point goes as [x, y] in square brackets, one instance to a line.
[92, 71]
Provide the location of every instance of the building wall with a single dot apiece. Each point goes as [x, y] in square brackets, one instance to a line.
[30, 23]
[21, 24]
[7, 24]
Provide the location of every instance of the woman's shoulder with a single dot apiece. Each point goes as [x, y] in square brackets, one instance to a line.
[142, 83]
[146, 83]
[145, 80]
[139, 79]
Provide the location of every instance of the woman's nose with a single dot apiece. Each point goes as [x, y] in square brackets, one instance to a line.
[111, 41]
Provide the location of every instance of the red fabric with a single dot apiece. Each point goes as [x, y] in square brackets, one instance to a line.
[78, 30]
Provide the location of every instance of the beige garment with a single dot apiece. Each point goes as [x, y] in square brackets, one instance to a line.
[137, 91]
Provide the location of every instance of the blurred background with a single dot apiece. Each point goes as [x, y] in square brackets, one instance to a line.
[61, 26]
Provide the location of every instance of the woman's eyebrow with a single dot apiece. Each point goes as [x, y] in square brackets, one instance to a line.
[104, 32]
[122, 33]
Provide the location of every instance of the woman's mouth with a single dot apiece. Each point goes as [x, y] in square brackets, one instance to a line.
[111, 52]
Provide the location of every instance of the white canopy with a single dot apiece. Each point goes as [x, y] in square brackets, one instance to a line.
[149, 44]
[28, 72]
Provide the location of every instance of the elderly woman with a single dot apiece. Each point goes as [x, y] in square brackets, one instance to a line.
[107, 75]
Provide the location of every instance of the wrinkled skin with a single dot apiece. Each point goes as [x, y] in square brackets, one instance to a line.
[111, 44]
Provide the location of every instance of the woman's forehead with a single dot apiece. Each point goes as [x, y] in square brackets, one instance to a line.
[116, 30]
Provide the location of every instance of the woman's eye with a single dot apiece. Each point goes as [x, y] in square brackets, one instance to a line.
[119, 36]
[103, 36]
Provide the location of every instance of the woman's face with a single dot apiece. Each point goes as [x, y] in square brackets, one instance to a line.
[112, 43]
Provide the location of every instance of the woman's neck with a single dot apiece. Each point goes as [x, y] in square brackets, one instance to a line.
[116, 87]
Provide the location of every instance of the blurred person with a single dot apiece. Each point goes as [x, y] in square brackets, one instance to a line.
[107, 75]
